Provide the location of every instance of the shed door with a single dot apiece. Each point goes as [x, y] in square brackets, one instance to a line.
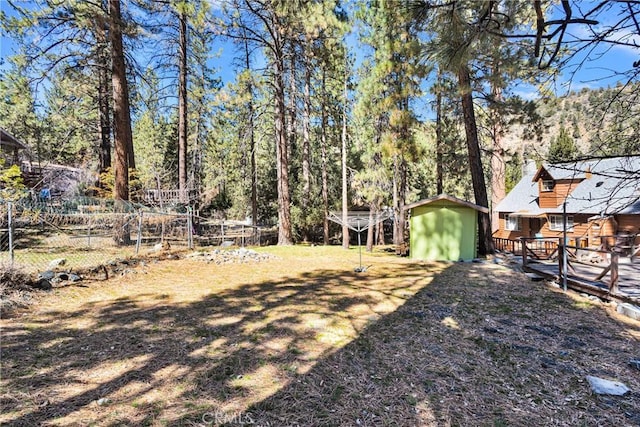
[444, 233]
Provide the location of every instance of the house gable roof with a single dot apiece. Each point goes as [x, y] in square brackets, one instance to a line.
[9, 140]
[561, 171]
[523, 198]
[541, 173]
[601, 186]
[448, 198]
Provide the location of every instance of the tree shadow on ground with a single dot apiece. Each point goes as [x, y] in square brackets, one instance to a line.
[478, 346]
[221, 353]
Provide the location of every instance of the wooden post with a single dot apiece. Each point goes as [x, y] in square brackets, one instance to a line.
[561, 250]
[613, 284]
[523, 245]
[563, 264]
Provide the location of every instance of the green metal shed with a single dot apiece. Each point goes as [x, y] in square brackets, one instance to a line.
[443, 228]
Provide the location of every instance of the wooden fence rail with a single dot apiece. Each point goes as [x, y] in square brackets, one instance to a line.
[538, 248]
[623, 244]
[574, 258]
[585, 265]
[507, 245]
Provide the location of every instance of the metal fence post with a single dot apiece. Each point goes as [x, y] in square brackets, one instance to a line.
[139, 238]
[10, 227]
[189, 227]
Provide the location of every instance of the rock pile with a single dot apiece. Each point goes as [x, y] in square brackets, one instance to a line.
[233, 256]
[47, 279]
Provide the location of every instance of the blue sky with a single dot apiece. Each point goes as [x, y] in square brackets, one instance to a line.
[600, 68]
[602, 65]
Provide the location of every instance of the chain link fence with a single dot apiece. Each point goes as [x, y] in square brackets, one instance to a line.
[39, 238]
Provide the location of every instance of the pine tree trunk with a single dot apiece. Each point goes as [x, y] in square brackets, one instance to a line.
[306, 148]
[345, 199]
[252, 153]
[251, 137]
[323, 165]
[485, 242]
[399, 185]
[197, 153]
[439, 142]
[292, 139]
[380, 234]
[122, 120]
[498, 168]
[370, 230]
[131, 158]
[403, 196]
[103, 97]
[395, 203]
[182, 110]
[282, 146]
[105, 122]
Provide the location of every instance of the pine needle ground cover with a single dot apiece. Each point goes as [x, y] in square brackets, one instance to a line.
[302, 339]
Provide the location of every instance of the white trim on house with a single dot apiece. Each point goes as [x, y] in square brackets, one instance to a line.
[547, 185]
[555, 223]
[512, 222]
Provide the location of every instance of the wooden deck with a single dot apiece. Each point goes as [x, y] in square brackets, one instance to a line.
[628, 278]
[612, 273]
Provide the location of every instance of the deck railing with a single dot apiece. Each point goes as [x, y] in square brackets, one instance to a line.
[607, 261]
[507, 245]
[604, 259]
[534, 247]
[538, 249]
[623, 244]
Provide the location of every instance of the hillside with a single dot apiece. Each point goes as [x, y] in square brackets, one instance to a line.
[600, 121]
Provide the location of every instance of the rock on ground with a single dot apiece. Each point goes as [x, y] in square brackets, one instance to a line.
[602, 386]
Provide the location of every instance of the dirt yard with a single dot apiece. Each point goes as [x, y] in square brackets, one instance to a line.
[302, 339]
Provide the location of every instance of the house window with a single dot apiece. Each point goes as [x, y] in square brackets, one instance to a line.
[547, 185]
[512, 222]
[555, 222]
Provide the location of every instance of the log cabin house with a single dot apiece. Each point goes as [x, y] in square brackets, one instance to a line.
[602, 203]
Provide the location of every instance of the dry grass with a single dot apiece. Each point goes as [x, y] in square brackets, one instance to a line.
[15, 288]
[304, 340]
